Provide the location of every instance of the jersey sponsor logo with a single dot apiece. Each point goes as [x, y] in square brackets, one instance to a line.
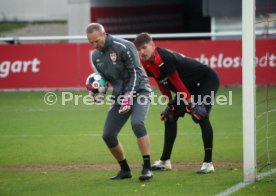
[164, 81]
[113, 57]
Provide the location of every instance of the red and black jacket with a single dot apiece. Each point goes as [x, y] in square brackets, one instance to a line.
[176, 72]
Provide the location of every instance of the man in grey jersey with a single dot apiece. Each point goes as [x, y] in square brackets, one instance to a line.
[118, 62]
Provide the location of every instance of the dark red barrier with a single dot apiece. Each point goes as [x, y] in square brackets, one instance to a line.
[133, 19]
[68, 65]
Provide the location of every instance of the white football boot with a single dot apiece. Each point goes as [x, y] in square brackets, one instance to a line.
[162, 165]
[206, 168]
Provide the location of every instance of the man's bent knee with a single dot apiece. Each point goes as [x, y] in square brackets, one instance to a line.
[139, 129]
[111, 141]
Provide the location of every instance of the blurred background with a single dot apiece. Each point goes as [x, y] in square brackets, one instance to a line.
[43, 47]
[70, 17]
[207, 30]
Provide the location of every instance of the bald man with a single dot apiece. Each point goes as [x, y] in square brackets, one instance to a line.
[118, 62]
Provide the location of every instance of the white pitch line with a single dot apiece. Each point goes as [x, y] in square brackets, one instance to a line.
[233, 189]
[268, 173]
[242, 185]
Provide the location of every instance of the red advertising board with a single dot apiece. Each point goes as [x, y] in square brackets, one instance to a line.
[67, 65]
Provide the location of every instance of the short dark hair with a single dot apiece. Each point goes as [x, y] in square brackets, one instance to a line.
[142, 38]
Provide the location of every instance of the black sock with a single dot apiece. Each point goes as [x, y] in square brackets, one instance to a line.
[124, 165]
[208, 155]
[207, 137]
[146, 159]
[169, 138]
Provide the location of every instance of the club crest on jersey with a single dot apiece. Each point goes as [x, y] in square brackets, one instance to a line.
[113, 57]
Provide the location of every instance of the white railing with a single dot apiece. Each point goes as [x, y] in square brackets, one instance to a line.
[236, 34]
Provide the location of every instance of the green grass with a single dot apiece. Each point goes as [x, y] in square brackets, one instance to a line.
[265, 186]
[177, 182]
[34, 133]
[9, 26]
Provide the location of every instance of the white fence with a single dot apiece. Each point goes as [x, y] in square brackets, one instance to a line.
[81, 38]
[33, 10]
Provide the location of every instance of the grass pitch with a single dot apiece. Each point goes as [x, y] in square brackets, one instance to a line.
[33, 133]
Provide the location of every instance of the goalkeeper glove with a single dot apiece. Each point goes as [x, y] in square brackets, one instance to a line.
[167, 114]
[197, 111]
[126, 103]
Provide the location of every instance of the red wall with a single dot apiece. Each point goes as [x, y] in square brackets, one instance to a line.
[68, 65]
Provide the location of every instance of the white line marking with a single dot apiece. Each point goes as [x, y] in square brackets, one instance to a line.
[233, 189]
[242, 185]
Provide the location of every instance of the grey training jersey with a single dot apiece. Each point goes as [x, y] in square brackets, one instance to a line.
[119, 64]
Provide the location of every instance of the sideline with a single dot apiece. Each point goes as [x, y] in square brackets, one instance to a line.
[242, 185]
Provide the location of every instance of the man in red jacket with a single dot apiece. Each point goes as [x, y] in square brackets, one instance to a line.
[194, 84]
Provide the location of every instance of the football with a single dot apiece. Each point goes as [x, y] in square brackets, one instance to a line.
[96, 83]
